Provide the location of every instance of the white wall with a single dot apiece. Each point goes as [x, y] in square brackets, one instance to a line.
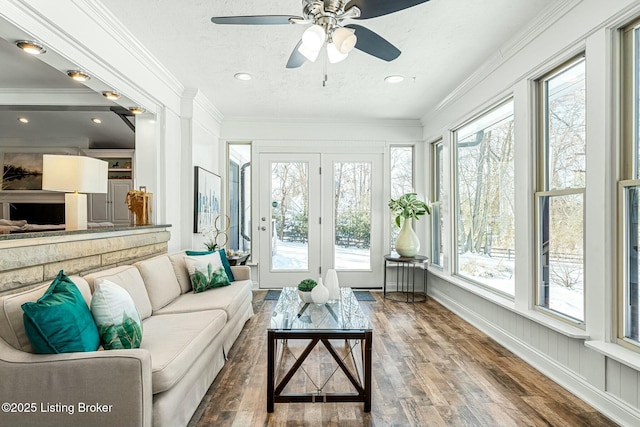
[584, 361]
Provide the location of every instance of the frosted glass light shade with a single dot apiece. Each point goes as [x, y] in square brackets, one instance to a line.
[307, 52]
[344, 40]
[334, 54]
[314, 37]
[74, 173]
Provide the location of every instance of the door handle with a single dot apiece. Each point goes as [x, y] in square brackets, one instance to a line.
[263, 228]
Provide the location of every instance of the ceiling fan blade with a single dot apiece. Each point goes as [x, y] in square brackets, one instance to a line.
[375, 8]
[374, 44]
[255, 19]
[296, 59]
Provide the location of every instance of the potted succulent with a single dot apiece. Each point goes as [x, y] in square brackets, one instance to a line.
[406, 208]
[304, 290]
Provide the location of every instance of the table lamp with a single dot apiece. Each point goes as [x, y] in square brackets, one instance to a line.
[74, 175]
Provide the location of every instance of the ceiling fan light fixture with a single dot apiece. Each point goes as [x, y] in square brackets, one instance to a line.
[334, 54]
[307, 52]
[30, 47]
[314, 37]
[111, 95]
[344, 39]
[78, 75]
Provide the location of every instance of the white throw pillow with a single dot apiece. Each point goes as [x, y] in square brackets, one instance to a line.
[115, 314]
[206, 272]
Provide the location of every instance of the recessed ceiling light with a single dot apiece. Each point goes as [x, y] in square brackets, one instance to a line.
[78, 75]
[136, 110]
[394, 79]
[31, 47]
[96, 120]
[23, 120]
[243, 76]
[111, 95]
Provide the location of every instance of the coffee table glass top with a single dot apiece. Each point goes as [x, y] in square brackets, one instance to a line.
[293, 314]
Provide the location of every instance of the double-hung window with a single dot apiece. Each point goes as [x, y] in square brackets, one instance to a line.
[629, 235]
[437, 192]
[484, 195]
[561, 166]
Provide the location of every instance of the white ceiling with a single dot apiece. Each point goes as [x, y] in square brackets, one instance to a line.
[442, 42]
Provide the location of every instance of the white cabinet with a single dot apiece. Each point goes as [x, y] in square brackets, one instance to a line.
[112, 206]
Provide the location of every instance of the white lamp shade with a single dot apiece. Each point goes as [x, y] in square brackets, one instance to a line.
[344, 39]
[74, 173]
[314, 37]
[334, 54]
[307, 52]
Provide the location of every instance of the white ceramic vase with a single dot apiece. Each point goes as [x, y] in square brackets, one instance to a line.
[333, 285]
[320, 293]
[407, 243]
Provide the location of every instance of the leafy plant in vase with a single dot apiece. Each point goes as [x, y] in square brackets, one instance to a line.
[406, 208]
[304, 289]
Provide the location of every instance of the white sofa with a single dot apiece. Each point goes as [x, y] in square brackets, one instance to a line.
[185, 340]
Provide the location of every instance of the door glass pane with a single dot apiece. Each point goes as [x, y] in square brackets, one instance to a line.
[290, 216]
[562, 255]
[352, 215]
[631, 297]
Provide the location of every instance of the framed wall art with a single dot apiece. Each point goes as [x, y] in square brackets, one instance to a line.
[208, 187]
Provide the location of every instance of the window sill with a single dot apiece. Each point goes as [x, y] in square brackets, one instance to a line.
[509, 304]
[616, 352]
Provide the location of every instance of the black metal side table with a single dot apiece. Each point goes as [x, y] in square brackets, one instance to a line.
[406, 278]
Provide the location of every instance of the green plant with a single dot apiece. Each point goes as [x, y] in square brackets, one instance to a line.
[307, 285]
[408, 206]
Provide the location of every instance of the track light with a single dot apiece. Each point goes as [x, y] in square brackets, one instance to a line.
[136, 110]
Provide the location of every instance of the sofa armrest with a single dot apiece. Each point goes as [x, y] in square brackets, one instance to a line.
[98, 388]
[241, 272]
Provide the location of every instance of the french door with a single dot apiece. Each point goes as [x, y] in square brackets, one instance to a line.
[319, 211]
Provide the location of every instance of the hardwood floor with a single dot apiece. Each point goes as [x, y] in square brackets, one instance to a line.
[430, 368]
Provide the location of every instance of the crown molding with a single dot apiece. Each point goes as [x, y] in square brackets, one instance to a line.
[543, 21]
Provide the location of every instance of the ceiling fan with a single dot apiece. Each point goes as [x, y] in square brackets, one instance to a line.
[325, 17]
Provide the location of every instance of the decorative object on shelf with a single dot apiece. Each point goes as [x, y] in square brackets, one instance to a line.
[140, 204]
[304, 290]
[216, 236]
[333, 285]
[74, 175]
[320, 293]
[206, 199]
[406, 208]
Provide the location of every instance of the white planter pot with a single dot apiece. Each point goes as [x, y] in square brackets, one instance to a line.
[305, 296]
[407, 244]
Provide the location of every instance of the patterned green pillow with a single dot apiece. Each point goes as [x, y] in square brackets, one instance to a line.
[115, 314]
[206, 272]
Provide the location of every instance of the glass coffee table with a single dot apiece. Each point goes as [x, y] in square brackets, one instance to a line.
[340, 320]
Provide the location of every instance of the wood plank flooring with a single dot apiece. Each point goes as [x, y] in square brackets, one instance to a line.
[430, 368]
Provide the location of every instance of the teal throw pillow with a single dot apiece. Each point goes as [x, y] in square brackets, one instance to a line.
[60, 321]
[116, 316]
[223, 259]
[206, 272]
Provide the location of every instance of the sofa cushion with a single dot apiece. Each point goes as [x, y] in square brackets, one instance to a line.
[116, 317]
[160, 280]
[206, 272]
[223, 259]
[180, 269]
[228, 298]
[60, 320]
[12, 317]
[130, 279]
[176, 341]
